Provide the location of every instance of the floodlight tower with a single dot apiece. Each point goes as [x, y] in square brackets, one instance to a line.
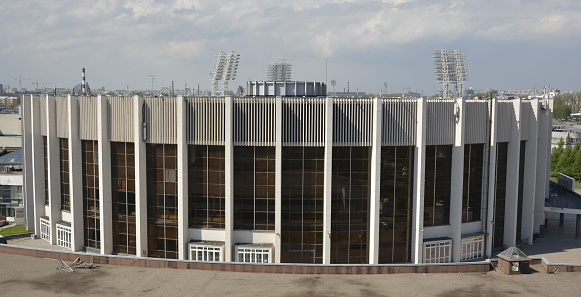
[224, 69]
[450, 68]
[279, 72]
[232, 60]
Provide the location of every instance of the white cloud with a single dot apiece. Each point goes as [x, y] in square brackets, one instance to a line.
[130, 34]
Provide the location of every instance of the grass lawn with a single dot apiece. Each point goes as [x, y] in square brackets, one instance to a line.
[18, 229]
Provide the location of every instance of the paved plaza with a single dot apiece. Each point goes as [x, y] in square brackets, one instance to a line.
[30, 276]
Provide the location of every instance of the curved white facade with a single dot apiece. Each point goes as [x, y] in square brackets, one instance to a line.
[286, 180]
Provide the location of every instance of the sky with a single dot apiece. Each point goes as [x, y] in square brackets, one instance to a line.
[509, 44]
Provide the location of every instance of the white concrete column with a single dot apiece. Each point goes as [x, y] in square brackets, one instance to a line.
[36, 150]
[375, 186]
[492, 177]
[530, 173]
[328, 187]
[278, 180]
[140, 177]
[182, 150]
[105, 189]
[543, 162]
[457, 183]
[54, 171]
[229, 179]
[28, 178]
[75, 176]
[512, 176]
[419, 175]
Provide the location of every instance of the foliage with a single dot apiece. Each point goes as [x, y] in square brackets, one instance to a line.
[485, 95]
[566, 104]
[18, 229]
[566, 161]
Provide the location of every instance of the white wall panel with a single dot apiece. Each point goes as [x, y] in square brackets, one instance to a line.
[399, 122]
[205, 121]
[477, 117]
[352, 122]
[303, 122]
[121, 117]
[43, 107]
[87, 117]
[62, 117]
[160, 120]
[526, 110]
[254, 121]
[505, 119]
[440, 122]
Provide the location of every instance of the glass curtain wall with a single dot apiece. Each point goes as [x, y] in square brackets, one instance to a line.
[472, 187]
[123, 198]
[92, 221]
[500, 201]
[162, 208]
[350, 205]
[438, 177]
[396, 204]
[521, 183]
[302, 204]
[64, 167]
[206, 184]
[44, 143]
[254, 171]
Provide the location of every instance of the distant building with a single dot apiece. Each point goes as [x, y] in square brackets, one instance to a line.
[8, 100]
[10, 131]
[11, 181]
[569, 136]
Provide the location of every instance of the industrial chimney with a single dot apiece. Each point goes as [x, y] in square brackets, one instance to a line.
[83, 84]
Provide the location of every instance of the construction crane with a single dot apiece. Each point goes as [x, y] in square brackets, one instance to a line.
[36, 82]
[20, 79]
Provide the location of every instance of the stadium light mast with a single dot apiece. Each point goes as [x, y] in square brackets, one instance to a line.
[224, 69]
[450, 69]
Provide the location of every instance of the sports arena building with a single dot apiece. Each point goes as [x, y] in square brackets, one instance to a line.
[286, 179]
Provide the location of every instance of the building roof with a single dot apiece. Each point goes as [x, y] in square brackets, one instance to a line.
[512, 254]
[562, 200]
[14, 157]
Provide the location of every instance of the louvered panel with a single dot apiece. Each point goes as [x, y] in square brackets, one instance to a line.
[88, 117]
[62, 117]
[506, 118]
[122, 118]
[476, 118]
[205, 121]
[352, 122]
[254, 121]
[160, 119]
[440, 126]
[526, 112]
[43, 109]
[303, 121]
[399, 122]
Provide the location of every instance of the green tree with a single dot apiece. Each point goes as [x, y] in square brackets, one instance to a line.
[555, 155]
[576, 166]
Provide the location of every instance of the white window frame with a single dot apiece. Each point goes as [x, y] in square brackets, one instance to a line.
[206, 252]
[253, 254]
[63, 236]
[438, 251]
[472, 247]
[45, 229]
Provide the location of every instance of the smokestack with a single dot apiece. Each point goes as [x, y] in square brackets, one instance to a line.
[83, 84]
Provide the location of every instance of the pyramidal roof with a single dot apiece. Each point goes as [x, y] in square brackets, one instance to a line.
[513, 253]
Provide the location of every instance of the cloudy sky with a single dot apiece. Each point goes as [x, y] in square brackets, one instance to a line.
[510, 44]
